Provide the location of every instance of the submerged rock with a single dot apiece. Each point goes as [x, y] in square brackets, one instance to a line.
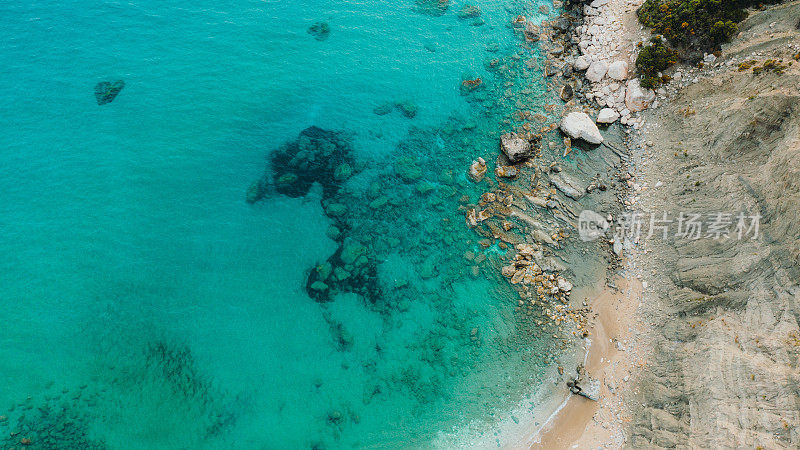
[320, 30]
[256, 191]
[409, 109]
[469, 11]
[515, 148]
[107, 91]
[407, 169]
[383, 109]
[566, 93]
[317, 155]
[468, 85]
[432, 7]
[531, 31]
[578, 125]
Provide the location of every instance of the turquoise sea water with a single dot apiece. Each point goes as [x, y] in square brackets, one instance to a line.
[146, 304]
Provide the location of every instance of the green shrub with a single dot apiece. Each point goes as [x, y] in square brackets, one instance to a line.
[695, 25]
[652, 59]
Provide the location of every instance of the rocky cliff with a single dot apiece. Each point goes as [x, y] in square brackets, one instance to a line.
[724, 373]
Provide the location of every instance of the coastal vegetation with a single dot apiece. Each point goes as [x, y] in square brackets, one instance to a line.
[653, 59]
[690, 27]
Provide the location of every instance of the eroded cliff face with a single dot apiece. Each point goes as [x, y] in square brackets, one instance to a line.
[724, 373]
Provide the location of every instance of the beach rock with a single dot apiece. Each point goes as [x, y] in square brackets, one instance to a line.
[515, 148]
[596, 71]
[581, 63]
[590, 389]
[409, 109]
[578, 125]
[477, 170]
[607, 115]
[567, 185]
[506, 171]
[636, 97]
[618, 70]
[531, 31]
[107, 91]
[566, 93]
[320, 30]
[563, 284]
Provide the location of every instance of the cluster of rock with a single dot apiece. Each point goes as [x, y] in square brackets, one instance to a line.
[406, 107]
[608, 62]
[316, 156]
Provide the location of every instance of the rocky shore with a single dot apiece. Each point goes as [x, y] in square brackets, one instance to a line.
[696, 344]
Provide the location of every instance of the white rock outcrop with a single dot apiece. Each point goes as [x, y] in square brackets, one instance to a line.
[578, 125]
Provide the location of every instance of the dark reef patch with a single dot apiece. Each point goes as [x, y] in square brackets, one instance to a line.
[107, 91]
[320, 30]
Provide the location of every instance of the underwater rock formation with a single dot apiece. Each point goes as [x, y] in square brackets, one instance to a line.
[320, 30]
[409, 109]
[468, 86]
[432, 7]
[317, 155]
[107, 91]
[469, 12]
[383, 109]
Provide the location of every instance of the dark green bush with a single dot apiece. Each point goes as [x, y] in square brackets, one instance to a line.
[696, 25]
[654, 58]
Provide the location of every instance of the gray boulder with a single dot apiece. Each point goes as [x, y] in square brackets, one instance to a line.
[515, 148]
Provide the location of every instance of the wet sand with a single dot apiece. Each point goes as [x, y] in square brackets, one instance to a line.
[615, 320]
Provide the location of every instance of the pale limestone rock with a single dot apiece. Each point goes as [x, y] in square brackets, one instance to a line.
[578, 125]
[581, 63]
[618, 70]
[607, 115]
[636, 97]
[596, 71]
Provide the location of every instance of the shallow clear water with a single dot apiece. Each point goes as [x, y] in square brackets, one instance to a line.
[146, 304]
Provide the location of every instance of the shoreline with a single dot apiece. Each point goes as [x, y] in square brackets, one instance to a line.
[609, 352]
[609, 360]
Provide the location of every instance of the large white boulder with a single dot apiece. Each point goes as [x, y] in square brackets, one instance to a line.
[596, 71]
[578, 125]
[607, 115]
[638, 98]
[618, 70]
